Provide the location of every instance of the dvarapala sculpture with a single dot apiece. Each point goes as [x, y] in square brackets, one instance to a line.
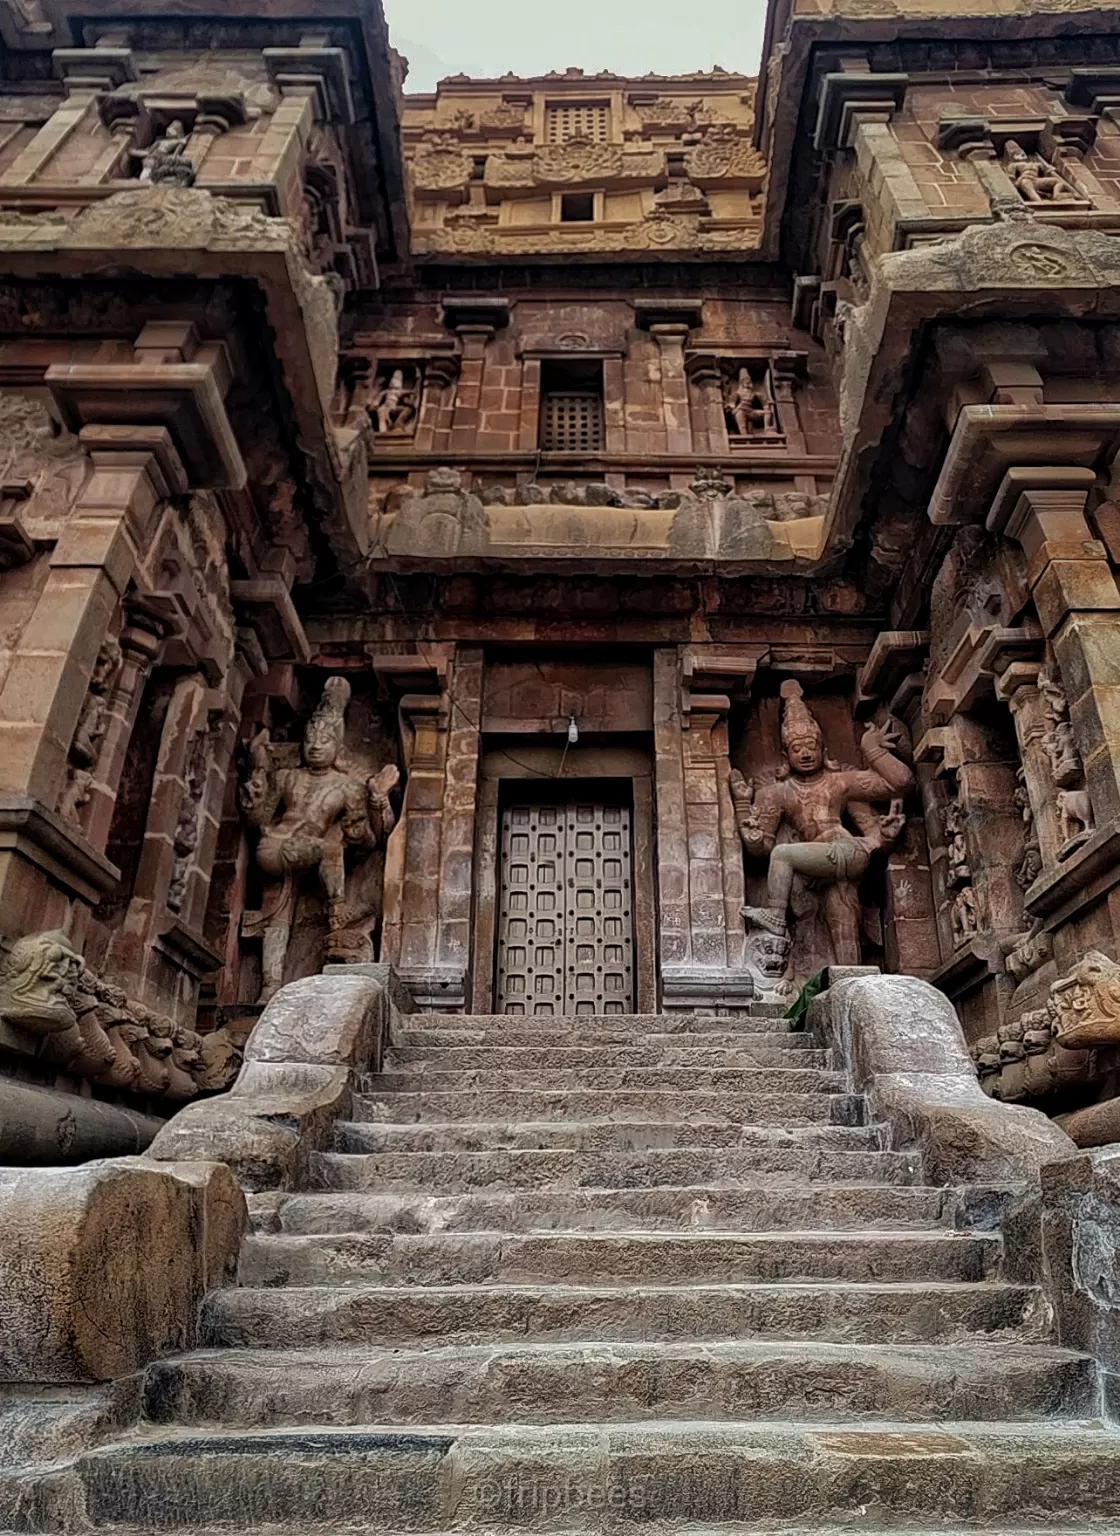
[309, 816]
[811, 795]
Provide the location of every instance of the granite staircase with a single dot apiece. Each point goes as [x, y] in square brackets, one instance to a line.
[602, 1273]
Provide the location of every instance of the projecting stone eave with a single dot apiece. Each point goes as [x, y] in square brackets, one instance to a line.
[989, 272]
[164, 232]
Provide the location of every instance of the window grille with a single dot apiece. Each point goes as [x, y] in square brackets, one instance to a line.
[571, 423]
[578, 120]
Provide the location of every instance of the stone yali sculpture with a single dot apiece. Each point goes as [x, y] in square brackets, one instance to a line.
[810, 797]
[309, 817]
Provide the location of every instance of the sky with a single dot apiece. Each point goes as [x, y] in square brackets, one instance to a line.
[630, 37]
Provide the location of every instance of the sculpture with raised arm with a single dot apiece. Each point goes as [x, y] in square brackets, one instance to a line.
[309, 817]
[812, 796]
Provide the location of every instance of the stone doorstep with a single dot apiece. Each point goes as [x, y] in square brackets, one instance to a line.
[751, 1040]
[431, 1478]
[563, 1382]
[630, 1025]
[599, 1135]
[616, 1258]
[901, 1313]
[466, 1172]
[774, 1109]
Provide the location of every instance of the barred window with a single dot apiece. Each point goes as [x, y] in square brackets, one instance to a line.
[577, 120]
[571, 423]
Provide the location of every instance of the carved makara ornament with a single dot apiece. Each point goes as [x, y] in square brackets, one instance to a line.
[811, 797]
[309, 816]
[1085, 1004]
[39, 982]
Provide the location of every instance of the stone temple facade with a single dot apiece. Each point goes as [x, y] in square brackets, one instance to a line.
[554, 452]
[559, 757]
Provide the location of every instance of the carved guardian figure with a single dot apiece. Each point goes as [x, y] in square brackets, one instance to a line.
[309, 817]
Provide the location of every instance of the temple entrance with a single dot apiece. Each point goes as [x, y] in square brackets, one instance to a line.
[565, 908]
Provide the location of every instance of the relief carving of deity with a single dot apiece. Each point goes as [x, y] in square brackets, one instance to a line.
[310, 817]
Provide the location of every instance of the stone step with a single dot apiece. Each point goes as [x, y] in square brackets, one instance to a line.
[615, 1258]
[752, 1477]
[588, 1058]
[761, 1016]
[552, 1103]
[291, 1318]
[758, 1080]
[762, 1207]
[457, 1172]
[600, 1135]
[738, 1036]
[562, 1383]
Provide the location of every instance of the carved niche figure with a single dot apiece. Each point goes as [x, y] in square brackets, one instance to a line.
[1029, 866]
[750, 406]
[309, 816]
[964, 915]
[167, 161]
[811, 797]
[1075, 809]
[1035, 180]
[959, 869]
[89, 732]
[393, 405]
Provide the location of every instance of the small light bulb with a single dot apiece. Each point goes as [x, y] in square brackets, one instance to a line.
[573, 731]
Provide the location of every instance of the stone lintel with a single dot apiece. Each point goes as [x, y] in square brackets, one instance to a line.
[32, 832]
[895, 654]
[188, 950]
[1069, 483]
[459, 310]
[270, 611]
[707, 987]
[989, 440]
[845, 97]
[184, 398]
[435, 988]
[686, 312]
[321, 68]
[1079, 881]
[981, 653]
[970, 966]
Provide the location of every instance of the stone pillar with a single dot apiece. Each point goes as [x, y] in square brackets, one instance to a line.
[699, 854]
[140, 640]
[433, 430]
[1017, 685]
[1077, 601]
[614, 405]
[429, 861]
[674, 387]
[464, 426]
[45, 688]
[530, 404]
[709, 416]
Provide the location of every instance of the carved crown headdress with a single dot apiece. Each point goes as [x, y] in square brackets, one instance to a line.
[798, 724]
[330, 713]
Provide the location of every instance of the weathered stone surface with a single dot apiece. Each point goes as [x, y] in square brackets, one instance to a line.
[301, 1061]
[105, 1267]
[41, 1127]
[1079, 1239]
[904, 1042]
